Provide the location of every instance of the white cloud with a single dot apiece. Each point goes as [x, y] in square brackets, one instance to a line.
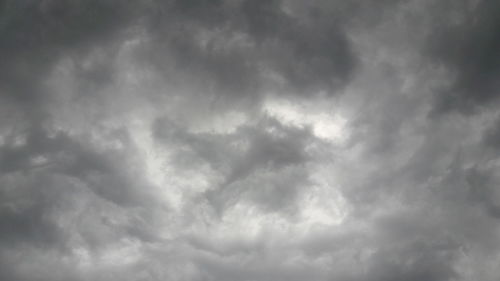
[326, 124]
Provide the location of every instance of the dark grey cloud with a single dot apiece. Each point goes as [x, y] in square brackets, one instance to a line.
[243, 48]
[36, 34]
[249, 140]
[25, 213]
[491, 136]
[465, 39]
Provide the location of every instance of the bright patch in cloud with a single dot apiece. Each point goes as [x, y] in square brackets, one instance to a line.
[325, 125]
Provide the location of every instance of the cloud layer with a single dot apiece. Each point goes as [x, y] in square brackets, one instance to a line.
[249, 140]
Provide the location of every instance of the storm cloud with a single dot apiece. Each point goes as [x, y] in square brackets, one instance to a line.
[249, 140]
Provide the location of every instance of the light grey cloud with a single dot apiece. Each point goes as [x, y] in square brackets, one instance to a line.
[266, 162]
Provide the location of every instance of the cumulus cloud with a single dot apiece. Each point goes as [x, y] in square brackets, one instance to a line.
[249, 140]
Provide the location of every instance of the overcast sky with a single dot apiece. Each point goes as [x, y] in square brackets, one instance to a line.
[249, 140]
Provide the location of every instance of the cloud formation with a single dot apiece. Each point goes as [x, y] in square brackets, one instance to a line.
[249, 140]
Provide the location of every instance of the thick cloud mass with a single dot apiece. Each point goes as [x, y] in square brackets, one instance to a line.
[249, 140]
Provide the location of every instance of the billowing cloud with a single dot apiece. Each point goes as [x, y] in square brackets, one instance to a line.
[249, 140]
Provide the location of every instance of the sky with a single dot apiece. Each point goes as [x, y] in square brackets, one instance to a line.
[249, 140]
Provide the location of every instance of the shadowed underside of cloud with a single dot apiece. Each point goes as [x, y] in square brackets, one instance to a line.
[249, 140]
[35, 34]
[466, 41]
[242, 48]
